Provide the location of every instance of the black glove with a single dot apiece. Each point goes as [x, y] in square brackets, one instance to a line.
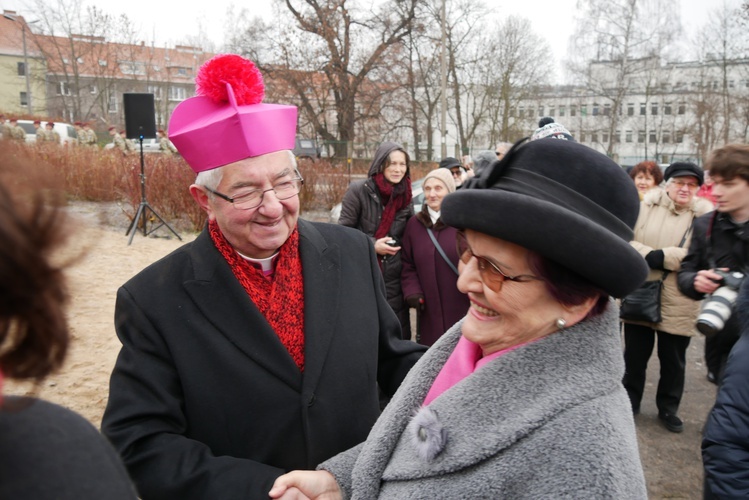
[416, 301]
[655, 259]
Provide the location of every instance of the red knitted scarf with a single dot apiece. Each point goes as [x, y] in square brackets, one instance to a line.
[394, 197]
[280, 296]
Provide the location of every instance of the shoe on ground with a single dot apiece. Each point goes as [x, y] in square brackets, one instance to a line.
[712, 378]
[671, 422]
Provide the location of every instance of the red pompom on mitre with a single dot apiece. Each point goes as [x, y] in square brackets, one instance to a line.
[242, 74]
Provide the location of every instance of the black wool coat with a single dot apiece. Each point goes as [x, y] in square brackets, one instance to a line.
[205, 401]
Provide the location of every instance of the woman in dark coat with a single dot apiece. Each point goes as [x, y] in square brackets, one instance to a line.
[380, 207]
[429, 282]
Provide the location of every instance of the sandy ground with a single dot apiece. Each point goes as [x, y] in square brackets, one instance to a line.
[671, 461]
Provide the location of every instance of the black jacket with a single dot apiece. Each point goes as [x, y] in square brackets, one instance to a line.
[362, 209]
[205, 401]
[725, 447]
[728, 247]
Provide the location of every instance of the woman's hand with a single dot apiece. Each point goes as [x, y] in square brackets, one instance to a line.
[382, 248]
[304, 484]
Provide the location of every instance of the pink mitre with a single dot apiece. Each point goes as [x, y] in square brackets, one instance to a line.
[226, 121]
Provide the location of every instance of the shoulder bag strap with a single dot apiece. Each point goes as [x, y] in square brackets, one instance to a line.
[442, 252]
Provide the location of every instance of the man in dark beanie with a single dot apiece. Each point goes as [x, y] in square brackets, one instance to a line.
[456, 169]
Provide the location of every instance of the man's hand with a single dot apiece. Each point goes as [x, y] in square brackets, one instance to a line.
[707, 280]
[305, 484]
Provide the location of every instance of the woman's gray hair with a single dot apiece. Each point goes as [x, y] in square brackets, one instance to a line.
[212, 178]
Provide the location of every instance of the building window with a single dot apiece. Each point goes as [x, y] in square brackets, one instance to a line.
[605, 137]
[654, 108]
[182, 71]
[21, 69]
[631, 109]
[641, 136]
[63, 88]
[628, 136]
[512, 111]
[521, 112]
[594, 137]
[177, 94]
[93, 89]
[607, 109]
[617, 137]
[643, 108]
[132, 68]
[551, 110]
[583, 110]
[531, 113]
[679, 137]
[582, 136]
[24, 99]
[652, 138]
[540, 111]
[102, 62]
[573, 110]
[666, 137]
[155, 90]
[112, 103]
[730, 84]
[682, 108]
[561, 109]
[667, 108]
[595, 109]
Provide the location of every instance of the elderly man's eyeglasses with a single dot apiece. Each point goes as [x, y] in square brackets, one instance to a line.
[491, 274]
[690, 185]
[253, 199]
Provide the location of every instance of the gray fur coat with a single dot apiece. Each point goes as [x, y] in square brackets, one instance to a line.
[548, 420]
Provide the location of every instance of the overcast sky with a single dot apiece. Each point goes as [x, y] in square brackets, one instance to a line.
[552, 19]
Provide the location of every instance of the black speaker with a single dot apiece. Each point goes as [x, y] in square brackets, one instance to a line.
[140, 117]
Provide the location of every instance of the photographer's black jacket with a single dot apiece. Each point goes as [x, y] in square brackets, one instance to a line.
[728, 245]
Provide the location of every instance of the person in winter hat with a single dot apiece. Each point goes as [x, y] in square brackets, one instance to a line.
[260, 346]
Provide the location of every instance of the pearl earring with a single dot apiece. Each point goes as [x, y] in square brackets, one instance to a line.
[561, 323]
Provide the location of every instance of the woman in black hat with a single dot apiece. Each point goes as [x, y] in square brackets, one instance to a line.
[523, 398]
[662, 236]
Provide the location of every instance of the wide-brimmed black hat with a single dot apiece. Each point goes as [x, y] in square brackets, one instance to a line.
[563, 200]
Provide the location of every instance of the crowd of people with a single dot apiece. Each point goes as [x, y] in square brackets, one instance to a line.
[256, 360]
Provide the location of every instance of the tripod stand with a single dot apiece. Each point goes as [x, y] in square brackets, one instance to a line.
[144, 207]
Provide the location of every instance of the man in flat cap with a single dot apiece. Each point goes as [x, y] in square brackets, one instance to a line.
[257, 348]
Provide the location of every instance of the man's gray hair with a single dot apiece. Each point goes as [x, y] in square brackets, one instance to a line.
[212, 178]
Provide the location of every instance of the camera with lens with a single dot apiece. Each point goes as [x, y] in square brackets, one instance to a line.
[716, 309]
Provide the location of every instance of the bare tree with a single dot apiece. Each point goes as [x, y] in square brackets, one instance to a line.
[625, 38]
[517, 68]
[327, 52]
[81, 64]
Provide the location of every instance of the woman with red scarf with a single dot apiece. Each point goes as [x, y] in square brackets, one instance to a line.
[380, 206]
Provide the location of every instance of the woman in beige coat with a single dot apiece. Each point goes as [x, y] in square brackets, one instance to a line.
[662, 235]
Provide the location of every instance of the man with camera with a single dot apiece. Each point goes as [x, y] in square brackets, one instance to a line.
[718, 256]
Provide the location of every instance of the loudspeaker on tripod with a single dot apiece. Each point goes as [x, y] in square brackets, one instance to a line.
[140, 116]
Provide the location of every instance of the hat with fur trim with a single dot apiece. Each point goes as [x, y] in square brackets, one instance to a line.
[226, 121]
[563, 200]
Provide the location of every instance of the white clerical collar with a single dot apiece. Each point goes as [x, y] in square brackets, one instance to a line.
[433, 215]
[266, 265]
